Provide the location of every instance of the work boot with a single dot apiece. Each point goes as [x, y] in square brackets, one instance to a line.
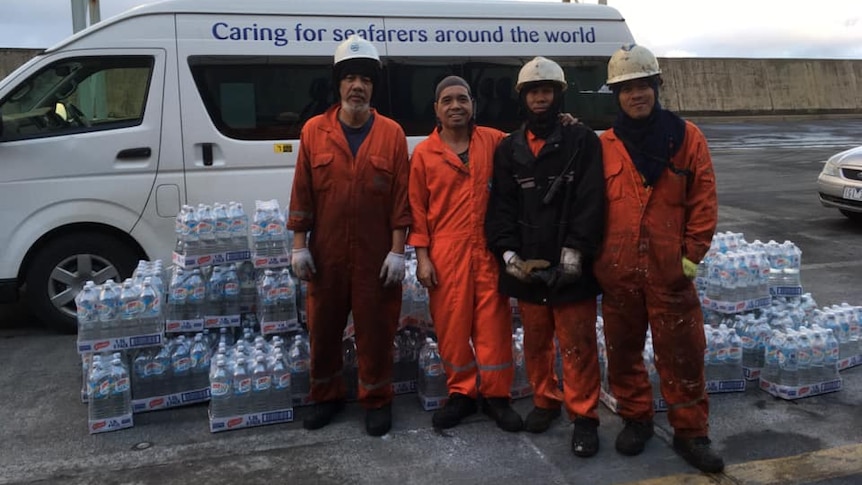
[540, 419]
[378, 421]
[585, 437]
[632, 439]
[697, 452]
[322, 413]
[457, 408]
[500, 410]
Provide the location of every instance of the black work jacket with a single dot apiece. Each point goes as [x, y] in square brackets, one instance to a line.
[519, 220]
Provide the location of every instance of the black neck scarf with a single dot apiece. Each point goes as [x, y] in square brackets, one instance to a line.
[651, 142]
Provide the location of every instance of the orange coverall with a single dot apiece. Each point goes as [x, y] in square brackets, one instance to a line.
[448, 202]
[351, 206]
[648, 232]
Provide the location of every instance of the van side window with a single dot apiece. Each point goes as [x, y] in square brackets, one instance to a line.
[587, 97]
[262, 98]
[77, 95]
[411, 93]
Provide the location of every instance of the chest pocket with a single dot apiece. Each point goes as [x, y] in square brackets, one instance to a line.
[379, 177]
[322, 177]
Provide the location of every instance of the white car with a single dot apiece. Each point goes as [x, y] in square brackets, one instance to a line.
[840, 183]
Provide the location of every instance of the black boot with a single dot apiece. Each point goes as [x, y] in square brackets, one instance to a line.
[500, 410]
[378, 421]
[457, 408]
[322, 413]
[632, 439]
[585, 437]
[540, 419]
[698, 453]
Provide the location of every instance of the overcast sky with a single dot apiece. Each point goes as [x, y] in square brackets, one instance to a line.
[826, 29]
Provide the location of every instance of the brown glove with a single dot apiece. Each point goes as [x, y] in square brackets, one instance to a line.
[533, 264]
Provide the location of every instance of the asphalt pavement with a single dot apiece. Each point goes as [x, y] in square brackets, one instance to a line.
[766, 172]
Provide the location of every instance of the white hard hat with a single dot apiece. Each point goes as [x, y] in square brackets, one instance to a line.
[541, 69]
[355, 47]
[632, 62]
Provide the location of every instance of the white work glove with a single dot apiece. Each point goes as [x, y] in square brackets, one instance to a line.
[392, 272]
[515, 266]
[570, 266]
[302, 264]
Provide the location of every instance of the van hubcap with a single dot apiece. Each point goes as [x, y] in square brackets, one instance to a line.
[69, 277]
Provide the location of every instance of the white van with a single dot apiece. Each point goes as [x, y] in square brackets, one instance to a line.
[106, 134]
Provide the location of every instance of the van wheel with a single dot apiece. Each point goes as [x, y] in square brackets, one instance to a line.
[60, 269]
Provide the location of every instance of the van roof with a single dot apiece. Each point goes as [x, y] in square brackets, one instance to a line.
[496, 9]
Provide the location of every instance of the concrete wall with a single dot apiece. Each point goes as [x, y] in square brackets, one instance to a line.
[762, 86]
[719, 86]
[10, 59]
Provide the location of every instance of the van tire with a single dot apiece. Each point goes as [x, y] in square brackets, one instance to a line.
[106, 256]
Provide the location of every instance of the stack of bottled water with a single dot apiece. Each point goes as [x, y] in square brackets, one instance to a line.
[252, 376]
[180, 365]
[845, 322]
[108, 387]
[209, 292]
[209, 229]
[799, 357]
[432, 375]
[269, 234]
[223, 292]
[277, 301]
[112, 310]
[734, 270]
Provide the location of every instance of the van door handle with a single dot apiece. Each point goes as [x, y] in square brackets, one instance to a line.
[133, 153]
[207, 152]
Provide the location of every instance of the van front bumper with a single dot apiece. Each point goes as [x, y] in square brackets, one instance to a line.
[8, 291]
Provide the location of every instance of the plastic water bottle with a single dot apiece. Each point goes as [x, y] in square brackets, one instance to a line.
[280, 394]
[99, 390]
[818, 356]
[259, 235]
[434, 374]
[734, 355]
[718, 356]
[141, 380]
[196, 295]
[179, 247]
[238, 226]
[151, 308]
[130, 309]
[190, 234]
[206, 229]
[200, 362]
[831, 356]
[261, 384]
[181, 366]
[108, 307]
[231, 290]
[160, 371]
[87, 310]
[215, 292]
[177, 296]
[220, 390]
[121, 391]
[222, 228]
[286, 300]
[803, 358]
[772, 359]
[789, 362]
[277, 233]
[268, 300]
[300, 364]
[241, 385]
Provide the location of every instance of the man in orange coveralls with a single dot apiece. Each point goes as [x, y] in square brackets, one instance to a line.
[449, 176]
[661, 215]
[350, 192]
[547, 203]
